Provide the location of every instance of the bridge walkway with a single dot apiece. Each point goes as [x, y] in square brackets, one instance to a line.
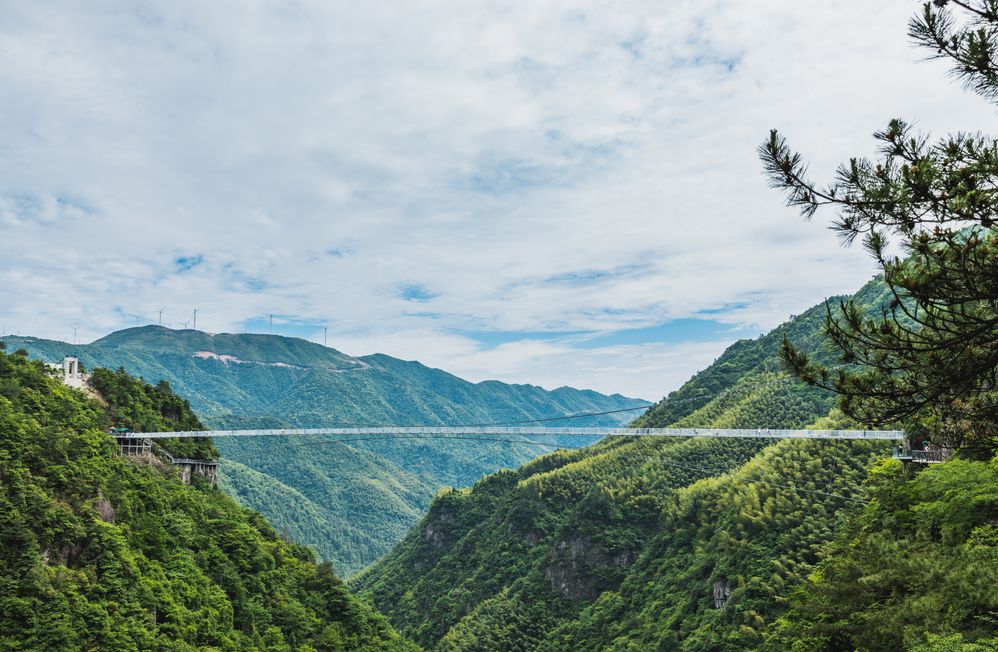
[535, 431]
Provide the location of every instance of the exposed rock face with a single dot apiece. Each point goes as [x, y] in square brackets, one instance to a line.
[231, 359]
[433, 536]
[434, 532]
[722, 591]
[105, 509]
[581, 570]
[64, 556]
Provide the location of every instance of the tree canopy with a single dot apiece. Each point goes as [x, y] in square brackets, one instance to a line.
[101, 551]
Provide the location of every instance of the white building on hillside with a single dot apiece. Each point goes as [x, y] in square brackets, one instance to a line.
[71, 374]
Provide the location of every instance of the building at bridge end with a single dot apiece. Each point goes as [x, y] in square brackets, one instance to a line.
[142, 449]
[69, 369]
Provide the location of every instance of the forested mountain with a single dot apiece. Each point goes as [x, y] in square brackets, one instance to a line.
[706, 544]
[917, 569]
[626, 543]
[100, 551]
[544, 556]
[748, 385]
[351, 502]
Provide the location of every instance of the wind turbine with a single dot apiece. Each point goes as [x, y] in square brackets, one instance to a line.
[161, 315]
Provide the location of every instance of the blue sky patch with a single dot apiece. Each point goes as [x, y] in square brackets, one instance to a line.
[677, 331]
[418, 293]
[726, 308]
[492, 339]
[674, 332]
[583, 276]
[187, 263]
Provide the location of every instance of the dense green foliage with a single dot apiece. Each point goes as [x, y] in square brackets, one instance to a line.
[917, 569]
[353, 501]
[319, 494]
[540, 542]
[98, 551]
[621, 544]
[718, 569]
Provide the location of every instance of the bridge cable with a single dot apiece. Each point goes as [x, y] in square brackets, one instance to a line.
[783, 380]
[562, 418]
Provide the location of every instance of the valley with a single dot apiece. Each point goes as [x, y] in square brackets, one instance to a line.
[625, 543]
[505, 207]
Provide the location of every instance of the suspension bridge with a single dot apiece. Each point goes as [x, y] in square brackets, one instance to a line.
[519, 433]
[387, 432]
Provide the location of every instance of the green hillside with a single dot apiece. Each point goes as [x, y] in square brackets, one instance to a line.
[581, 548]
[621, 544]
[345, 501]
[537, 544]
[915, 570]
[716, 571]
[359, 498]
[709, 545]
[99, 551]
[747, 384]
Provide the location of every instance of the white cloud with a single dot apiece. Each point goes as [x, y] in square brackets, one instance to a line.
[321, 156]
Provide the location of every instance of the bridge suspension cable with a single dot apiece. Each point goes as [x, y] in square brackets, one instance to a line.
[580, 415]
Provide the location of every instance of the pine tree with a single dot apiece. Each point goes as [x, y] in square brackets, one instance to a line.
[929, 359]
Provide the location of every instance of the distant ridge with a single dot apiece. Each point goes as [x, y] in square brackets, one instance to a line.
[247, 346]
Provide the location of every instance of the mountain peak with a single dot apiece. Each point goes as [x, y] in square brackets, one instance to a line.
[231, 347]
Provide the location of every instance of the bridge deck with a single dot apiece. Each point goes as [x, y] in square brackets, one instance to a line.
[444, 431]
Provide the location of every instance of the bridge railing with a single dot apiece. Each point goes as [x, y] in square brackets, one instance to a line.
[930, 456]
[539, 431]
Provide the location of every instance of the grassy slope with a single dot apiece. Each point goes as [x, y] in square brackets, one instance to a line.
[100, 552]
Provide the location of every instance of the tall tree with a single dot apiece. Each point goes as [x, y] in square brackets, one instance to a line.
[929, 359]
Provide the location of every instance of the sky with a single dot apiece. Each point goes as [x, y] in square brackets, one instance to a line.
[559, 193]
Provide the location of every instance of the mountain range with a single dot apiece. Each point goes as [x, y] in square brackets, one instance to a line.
[350, 501]
[628, 544]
